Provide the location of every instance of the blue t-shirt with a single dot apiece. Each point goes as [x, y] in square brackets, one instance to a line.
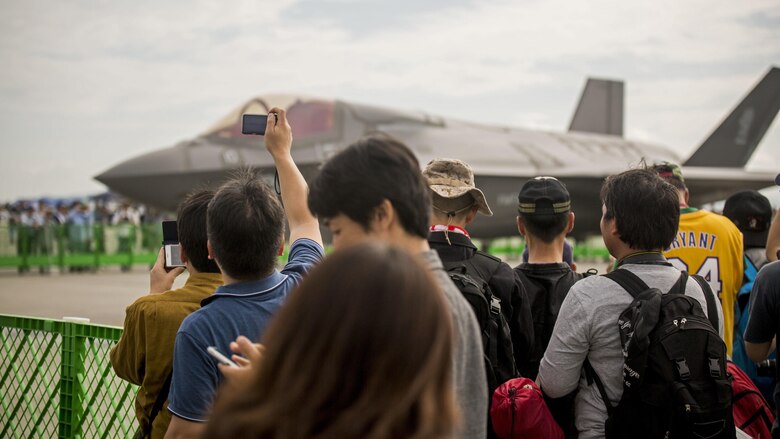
[239, 309]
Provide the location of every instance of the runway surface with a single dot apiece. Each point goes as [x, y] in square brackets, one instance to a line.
[101, 297]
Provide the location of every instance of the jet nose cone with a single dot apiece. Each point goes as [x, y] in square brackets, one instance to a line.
[149, 177]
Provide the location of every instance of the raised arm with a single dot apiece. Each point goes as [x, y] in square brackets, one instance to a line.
[278, 141]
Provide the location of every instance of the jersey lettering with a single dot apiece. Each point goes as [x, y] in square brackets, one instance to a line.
[694, 239]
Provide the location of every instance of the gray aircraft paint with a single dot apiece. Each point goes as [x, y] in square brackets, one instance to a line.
[502, 157]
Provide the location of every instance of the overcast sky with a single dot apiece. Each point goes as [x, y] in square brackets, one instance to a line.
[87, 84]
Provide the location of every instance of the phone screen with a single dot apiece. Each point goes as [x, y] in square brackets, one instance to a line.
[173, 256]
[254, 124]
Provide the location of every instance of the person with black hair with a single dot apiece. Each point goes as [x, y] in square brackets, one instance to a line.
[144, 353]
[544, 219]
[245, 237]
[639, 220]
[373, 191]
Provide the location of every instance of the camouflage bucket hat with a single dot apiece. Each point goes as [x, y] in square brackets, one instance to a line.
[451, 178]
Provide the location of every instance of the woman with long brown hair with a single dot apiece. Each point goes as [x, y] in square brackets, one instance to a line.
[362, 349]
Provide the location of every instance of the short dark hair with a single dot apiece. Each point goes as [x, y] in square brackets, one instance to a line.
[546, 227]
[191, 226]
[356, 181]
[646, 208]
[245, 226]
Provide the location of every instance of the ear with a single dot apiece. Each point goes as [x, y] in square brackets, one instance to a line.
[183, 254]
[281, 249]
[521, 225]
[570, 227]
[472, 214]
[210, 249]
[384, 217]
[686, 196]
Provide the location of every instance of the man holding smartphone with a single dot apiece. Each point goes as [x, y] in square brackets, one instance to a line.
[144, 354]
[246, 235]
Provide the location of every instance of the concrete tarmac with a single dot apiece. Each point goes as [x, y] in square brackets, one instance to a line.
[101, 297]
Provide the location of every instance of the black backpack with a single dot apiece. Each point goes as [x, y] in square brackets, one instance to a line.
[471, 276]
[675, 382]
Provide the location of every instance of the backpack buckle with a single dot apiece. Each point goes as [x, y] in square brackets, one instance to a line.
[495, 305]
[682, 369]
[714, 368]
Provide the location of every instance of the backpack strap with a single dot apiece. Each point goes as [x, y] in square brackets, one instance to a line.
[158, 403]
[709, 296]
[592, 377]
[628, 281]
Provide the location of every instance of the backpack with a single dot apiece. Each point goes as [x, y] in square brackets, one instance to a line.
[471, 276]
[751, 411]
[517, 410]
[675, 382]
[765, 384]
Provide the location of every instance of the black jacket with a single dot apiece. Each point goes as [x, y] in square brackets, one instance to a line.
[504, 284]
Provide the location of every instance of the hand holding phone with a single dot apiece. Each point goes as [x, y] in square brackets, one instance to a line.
[219, 357]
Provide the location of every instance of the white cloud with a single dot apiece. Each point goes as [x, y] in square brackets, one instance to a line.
[153, 72]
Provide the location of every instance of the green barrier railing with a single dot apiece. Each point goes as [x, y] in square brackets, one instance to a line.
[56, 380]
[82, 246]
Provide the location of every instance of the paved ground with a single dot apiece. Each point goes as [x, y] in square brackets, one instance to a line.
[100, 297]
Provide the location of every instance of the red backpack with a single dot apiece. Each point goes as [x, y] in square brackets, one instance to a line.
[518, 411]
[751, 411]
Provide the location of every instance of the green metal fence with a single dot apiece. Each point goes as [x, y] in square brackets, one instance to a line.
[83, 246]
[56, 380]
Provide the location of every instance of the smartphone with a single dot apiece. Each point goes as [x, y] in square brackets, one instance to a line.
[171, 245]
[254, 124]
[221, 358]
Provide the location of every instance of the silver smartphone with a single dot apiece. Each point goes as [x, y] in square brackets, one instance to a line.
[221, 358]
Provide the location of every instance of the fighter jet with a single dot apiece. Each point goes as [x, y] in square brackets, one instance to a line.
[502, 157]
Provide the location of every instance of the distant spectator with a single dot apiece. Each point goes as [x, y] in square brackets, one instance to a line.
[246, 235]
[361, 350]
[144, 354]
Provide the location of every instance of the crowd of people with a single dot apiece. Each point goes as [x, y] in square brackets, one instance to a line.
[407, 328]
[39, 227]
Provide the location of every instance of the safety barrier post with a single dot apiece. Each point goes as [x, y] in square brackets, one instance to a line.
[71, 381]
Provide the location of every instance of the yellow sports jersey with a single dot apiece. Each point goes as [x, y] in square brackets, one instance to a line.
[710, 245]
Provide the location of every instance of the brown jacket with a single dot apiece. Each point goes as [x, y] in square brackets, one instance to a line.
[144, 354]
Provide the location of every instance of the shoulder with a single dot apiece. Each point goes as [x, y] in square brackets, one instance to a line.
[769, 274]
[304, 253]
[193, 323]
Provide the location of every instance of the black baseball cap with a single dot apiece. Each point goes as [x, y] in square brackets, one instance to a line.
[543, 196]
[751, 213]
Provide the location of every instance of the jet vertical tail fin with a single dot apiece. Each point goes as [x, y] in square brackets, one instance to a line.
[732, 143]
[600, 109]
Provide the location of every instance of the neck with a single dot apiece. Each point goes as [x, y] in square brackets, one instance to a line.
[633, 251]
[438, 219]
[540, 252]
